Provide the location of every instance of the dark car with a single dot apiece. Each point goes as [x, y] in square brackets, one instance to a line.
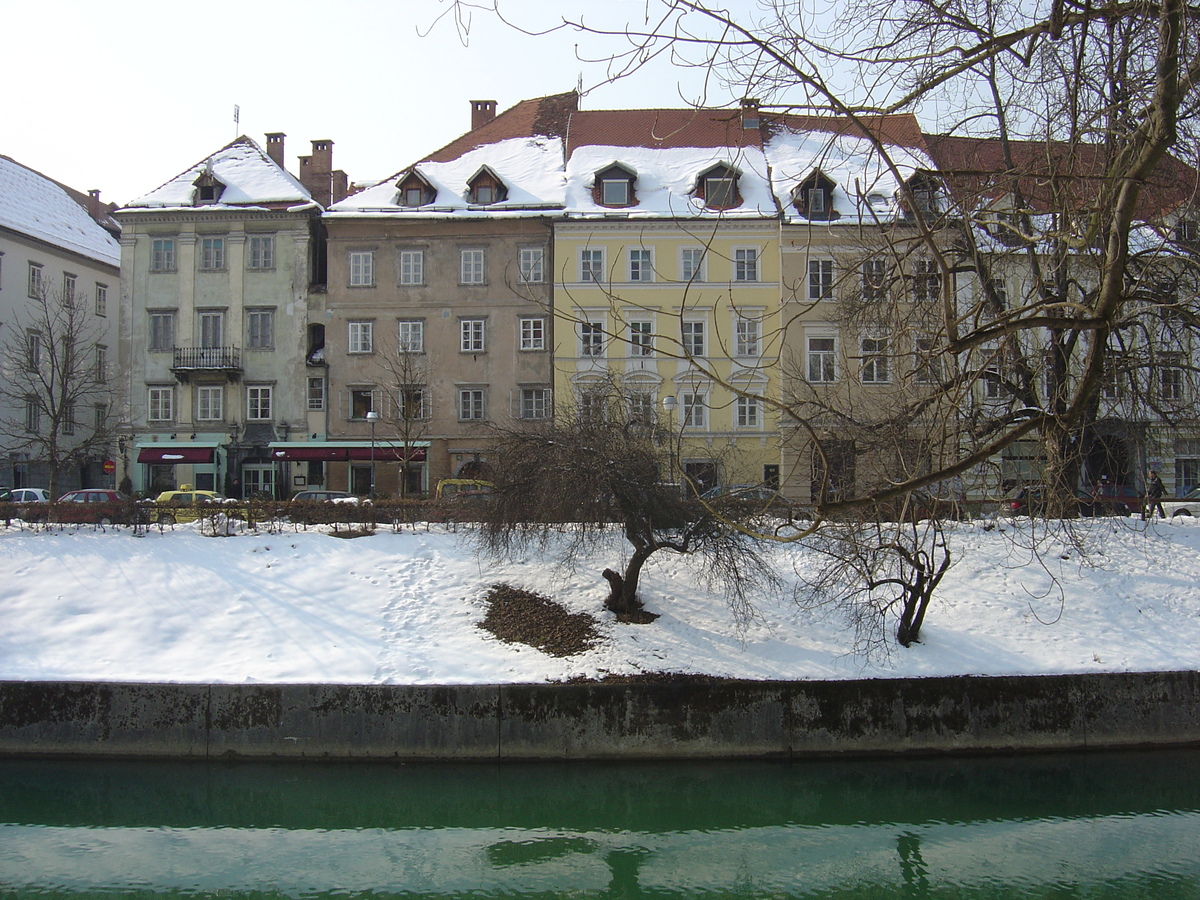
[1031, 501]
[98, 507]
[323, 507]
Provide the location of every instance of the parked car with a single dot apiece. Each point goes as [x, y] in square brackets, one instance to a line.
[450, 488]
[759, 495]
[1125, 497]
[308, 506]
[29, 495]
[98, 507]
[1187, 505]
[186, 504]
[1031, 501]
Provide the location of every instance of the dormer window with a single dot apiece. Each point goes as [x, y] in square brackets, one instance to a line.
[813, 197]
[208, 190]
[614, 187]
[1187, 231]
[415, 190]
[719, 188]
[485, 188]
[924, 197]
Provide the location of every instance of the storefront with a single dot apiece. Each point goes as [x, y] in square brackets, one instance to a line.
[360, 467]
[163, 466]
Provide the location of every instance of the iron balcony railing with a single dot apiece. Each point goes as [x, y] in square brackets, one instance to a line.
[224, 358]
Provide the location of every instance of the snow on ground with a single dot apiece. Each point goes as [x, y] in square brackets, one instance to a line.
[178, 606]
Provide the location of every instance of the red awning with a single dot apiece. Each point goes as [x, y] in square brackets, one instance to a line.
[172, 455]
[383, 454]
[300, 453]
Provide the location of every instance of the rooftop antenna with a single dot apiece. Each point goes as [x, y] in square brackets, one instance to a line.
[237, 115]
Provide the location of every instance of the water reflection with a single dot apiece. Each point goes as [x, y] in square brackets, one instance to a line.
[1119, 825]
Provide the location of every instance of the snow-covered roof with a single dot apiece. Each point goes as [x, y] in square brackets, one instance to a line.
[854, 164]
[249, 176]
[530, 167]
[32, 204]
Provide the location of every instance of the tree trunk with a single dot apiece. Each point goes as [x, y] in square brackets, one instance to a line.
[622, 596]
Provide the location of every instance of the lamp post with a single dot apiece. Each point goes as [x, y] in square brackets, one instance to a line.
[669, 404]
[372, 417]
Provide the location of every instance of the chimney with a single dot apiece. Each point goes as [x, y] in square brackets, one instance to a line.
[749, 113]
[316, 172]
[339, 186]
[94, 209]
[275, 148]
[482, 112]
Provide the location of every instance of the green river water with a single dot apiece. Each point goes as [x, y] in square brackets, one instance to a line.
[1103, 825]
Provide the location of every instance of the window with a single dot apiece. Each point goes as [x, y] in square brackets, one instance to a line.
[928, 366]
[483, 194]
[471, 335]
[212, 253]
[33, 350]
[691, 264]
[640, 268]
[362, 268]
[993, 385]
[212, 329]
[874, 280]
[1170, 379]
[1186, 231]
[641, 407]
[414, 196]
[745, 264]
[258, 402]
[591, 339]
[68, 417]
[641, 338]
[535, 403]
[816, 200]
[720, 191]
[747, 412]
[69, 282]
[162, 255]
[531, 264]
[33, 415]
[161, 403]
[101, 299]
[591, 265]
[412, 266]
[361, 337]
[927, 281]
[99, 416]
[470, 404]
[260, 329]
[533, 334]
[413, 404]
[821, 360]
[874, 361]
[693, 338]
[316, 394]
[411, 335]
[162, 330]
[362, 401]
[470, 267]
[820, 279]
[695, 411]
[748, 337]
[210, 403]
[614, 191]
[591, 404]
[262, 252]
[35, 280]
[101, 357]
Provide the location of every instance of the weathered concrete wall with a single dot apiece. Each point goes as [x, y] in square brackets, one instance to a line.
[593, 721]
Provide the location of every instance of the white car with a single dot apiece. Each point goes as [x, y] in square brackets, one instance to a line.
[29, 495]
[1187, 505]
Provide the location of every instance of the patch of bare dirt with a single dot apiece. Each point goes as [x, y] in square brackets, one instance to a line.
[517, 616]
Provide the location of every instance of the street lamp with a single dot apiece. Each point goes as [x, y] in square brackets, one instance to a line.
[372, 417]
[669, 404]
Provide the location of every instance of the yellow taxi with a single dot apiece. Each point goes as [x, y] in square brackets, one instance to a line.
[184, 505]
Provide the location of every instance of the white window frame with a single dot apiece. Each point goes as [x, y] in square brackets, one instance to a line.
[745, 264]
[641, 337]
[70, 282]
[161, 321]
[471, 265]
[212, 253]
[101, 360]
[625, 187]
[748, 412]
[926, 281]
[820, 279]
[641, 265]
[472, 335]
[162, 255]
[412, 267]
[535, 403]
[926, 367]
[160, 403]
[35, 280]
[692, 263]
[259, 402]
[410, 335]
[260, 329]
[315, 395]
[640, 406]
[531, 265]
[360, 336]
[748, 337]
[591, 339]
[874, 280]
[101, 299]
[693, 337]
[820, 362]
[693, 410]
[260, 254]
[404, 403]
[472, 404]
[533, 333]
[591, 265]
[362, 268]
[210, 403]
[875, 363]
[33, 415]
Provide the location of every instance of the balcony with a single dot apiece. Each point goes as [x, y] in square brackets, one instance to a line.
[190, 361]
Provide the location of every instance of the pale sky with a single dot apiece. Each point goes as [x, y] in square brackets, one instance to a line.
[124, 95]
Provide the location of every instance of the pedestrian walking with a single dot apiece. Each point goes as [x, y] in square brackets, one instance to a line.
[1154, 492]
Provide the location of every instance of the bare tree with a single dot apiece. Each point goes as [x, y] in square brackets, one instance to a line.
[55, 387]
[596, 469]
[407, 411]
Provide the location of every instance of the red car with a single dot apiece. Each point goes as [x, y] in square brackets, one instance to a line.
[97, 507]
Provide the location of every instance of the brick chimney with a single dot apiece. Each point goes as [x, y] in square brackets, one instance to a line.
[482, 112]
[749, 114]
[316, 172]
[275, 148]
[94, 207]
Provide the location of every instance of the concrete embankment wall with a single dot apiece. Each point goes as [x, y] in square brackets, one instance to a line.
[598, 721]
